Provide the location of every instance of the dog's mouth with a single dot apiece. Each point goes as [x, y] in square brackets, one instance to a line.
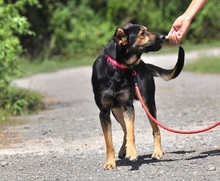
[155, 45]
[152, 48]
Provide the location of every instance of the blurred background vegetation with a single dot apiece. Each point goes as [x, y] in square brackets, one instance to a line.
[70, 27]
[38, 31]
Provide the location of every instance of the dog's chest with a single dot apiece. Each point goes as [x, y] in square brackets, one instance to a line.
[116, 95]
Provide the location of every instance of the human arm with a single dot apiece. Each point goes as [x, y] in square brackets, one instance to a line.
[182, 23]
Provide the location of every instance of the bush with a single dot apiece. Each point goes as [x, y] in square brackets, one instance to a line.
[78, 29]
[66, 28]
[139, 12]
[12, 25]
[20, 101]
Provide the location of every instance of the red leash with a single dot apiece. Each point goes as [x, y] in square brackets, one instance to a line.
[166, 128]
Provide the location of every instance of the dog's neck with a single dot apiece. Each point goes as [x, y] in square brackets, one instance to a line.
[114, 63]
[119, 56]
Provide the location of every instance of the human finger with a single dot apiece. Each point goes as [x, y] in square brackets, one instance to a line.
[172, 37]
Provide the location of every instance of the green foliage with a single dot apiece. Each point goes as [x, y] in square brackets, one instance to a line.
[12, 24]
[78, 29]
[139, 12]
[206, 26]
[19, 101]
[68, 28]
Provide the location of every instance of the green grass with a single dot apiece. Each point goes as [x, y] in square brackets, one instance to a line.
[27, 68]
[207, 64]
[204, 65]
[18, 102]
[171, 48]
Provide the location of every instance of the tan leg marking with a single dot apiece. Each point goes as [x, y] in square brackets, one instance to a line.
[110, 153]
[158, 153]
[118, 113]
[126, 120]
[131, 152]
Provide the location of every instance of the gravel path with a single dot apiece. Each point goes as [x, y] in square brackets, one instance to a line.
[65, 142]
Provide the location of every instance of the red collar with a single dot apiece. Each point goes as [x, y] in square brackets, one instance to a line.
[114, 63]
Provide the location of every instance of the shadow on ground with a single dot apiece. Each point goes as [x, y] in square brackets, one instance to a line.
[146, 159]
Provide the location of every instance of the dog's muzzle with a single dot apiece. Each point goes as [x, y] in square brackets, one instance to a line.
[163, 37]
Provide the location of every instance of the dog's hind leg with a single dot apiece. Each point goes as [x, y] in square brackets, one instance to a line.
[158, 153]
[125, 117]
[147, 90]
[107, 131]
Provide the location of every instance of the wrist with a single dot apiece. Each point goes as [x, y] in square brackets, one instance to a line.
[188, 17]
[193, 9]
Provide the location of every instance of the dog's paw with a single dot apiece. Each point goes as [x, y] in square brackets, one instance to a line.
[110, 165]
[131, 154]
[157, 154]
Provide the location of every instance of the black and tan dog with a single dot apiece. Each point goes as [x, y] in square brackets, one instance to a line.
[114, 90]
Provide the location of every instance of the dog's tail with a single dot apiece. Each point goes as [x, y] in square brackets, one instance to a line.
[172, 73]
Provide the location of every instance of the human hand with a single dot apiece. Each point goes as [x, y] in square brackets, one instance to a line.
[179, 29]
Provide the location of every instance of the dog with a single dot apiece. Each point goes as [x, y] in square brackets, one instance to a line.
[114, 89]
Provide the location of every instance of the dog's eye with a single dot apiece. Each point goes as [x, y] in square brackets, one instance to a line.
[143, 34]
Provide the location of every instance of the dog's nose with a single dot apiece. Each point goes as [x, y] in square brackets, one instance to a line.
[162, 37]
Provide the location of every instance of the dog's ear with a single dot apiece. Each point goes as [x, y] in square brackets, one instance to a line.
[120, 37]
[126, 26]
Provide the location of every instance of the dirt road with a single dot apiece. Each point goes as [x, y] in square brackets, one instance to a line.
[65, 142]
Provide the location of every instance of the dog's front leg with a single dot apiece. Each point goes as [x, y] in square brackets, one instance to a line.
[107, 131]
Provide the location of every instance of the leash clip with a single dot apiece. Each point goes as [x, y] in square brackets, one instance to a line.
[134, 74]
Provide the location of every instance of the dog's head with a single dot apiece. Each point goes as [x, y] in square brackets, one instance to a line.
[134, 39]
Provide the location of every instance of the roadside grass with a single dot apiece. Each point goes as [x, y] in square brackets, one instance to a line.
[19, 102]
[204, 65]
[27, 68]
[171, 48]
